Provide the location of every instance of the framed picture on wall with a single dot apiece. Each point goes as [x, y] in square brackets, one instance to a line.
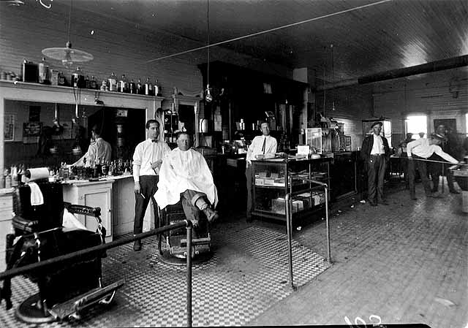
[449, 123]
[9, 128]
[31, 132]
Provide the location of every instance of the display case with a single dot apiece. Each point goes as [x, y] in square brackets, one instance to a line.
[275, 178]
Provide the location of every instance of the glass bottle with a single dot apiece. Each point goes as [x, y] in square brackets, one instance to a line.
[140, 88]
[123, 84]
[44, 75]
[14, 176]
[112, 82]
[7, 178]
[61, 79]
[104, 86]
[93, 83]
[149, 91]
[77, 78]
[157, 88]
[132, 87]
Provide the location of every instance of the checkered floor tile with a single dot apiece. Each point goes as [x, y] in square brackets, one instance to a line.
[247, 274]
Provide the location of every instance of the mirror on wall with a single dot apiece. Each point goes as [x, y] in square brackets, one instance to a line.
[46, 134]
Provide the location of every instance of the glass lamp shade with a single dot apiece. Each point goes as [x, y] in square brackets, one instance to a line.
[67, 55]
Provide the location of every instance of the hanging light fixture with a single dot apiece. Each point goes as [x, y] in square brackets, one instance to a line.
[68, 55]
[333, 77]
[208, 96]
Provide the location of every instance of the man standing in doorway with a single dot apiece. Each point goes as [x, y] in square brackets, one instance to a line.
[147, 161]
[263, 146]
[376, 152]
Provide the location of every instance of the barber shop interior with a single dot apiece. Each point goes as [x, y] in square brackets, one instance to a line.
[211, 163]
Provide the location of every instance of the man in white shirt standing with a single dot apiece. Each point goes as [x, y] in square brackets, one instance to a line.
[263, 146]
[376, 152]
[147, 161]
[419, 151]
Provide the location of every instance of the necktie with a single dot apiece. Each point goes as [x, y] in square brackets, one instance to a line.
[263, 147]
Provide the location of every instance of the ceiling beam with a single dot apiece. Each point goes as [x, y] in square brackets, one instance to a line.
[439, 65]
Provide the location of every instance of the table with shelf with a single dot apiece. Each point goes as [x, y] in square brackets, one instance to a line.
[275, 178]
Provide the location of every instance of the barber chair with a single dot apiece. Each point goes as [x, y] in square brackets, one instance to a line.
[176, 240]
[65, 288]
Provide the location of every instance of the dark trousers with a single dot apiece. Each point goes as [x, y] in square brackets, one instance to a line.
[148, 187]
[420, 163]
[404, 167]
[376, 166]
[191, 211]
[438, 169]
[249, 176]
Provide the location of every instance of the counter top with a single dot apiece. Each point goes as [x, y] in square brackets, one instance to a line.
[98, 181]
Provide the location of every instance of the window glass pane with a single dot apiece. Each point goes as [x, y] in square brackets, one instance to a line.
[417, 125]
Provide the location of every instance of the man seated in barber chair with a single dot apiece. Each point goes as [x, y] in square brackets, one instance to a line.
[185, 176]
[45, 227]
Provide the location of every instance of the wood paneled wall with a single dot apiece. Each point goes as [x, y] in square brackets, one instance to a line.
[352, 104]
[116, 46]
[438, 95]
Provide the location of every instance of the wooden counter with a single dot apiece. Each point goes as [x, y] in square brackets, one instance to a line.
[113, 194]
[116, 198]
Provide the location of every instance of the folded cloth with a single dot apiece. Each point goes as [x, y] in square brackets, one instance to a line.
[70, 222]
[36, 194]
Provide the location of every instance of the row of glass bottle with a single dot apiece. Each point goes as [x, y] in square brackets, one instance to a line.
[123, 85]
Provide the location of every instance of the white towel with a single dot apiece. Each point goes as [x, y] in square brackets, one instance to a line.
[36, 194]
[70, 222]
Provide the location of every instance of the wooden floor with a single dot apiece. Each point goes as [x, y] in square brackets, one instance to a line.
[405, 263]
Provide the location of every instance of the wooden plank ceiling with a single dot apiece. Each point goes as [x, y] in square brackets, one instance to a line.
[368, 36]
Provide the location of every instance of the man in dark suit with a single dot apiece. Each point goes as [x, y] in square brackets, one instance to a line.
[376, 153]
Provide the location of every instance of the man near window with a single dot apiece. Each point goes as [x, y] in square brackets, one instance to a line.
[263, 146]
[147, 161]
[451, 146]
[418, 152]
[376, 153]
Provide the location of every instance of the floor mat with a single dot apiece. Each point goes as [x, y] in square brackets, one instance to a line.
[247, 274]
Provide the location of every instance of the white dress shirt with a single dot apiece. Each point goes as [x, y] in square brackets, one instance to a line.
[421, 147]
[256, 148]
[99, 151]
[378, 146]
[146, 153]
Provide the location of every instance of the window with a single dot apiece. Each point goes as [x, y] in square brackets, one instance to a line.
[466, 121]
[416, 125]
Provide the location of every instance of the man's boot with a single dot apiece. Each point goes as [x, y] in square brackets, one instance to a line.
[137, 245]
[211, 214]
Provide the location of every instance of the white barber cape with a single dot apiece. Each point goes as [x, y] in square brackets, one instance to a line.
[182, 170]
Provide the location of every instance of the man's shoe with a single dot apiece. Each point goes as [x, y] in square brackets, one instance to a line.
[211, 214]
[435, 195]
[372, 203]
[137, 245]
[453, 191]
[384, 202]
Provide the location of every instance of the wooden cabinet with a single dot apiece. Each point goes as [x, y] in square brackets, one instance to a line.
[94, 194]
[274, 179]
